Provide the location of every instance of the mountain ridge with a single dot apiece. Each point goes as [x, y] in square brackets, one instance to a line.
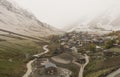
[14, 18]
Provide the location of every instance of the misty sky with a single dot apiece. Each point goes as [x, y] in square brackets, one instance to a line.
[60, 13]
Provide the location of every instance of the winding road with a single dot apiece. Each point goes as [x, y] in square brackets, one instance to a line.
[46, 51]
[82, 66]
[29, 64]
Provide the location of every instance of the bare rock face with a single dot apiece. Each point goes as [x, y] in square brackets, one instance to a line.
[15, 19]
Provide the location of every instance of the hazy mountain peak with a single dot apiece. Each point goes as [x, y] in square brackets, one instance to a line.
[108, 21]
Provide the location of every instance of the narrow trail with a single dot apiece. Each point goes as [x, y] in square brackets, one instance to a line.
[29, 64]
[82, 66]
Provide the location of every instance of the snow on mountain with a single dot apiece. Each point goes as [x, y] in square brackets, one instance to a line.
[81, 27]
[106, 22]
[109, 20]
[15, 19]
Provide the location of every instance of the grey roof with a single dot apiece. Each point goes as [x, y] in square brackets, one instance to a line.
[49, 64]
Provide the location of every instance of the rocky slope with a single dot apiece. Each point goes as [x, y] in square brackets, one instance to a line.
[15, 19]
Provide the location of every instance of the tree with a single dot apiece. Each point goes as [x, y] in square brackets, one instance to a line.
[109, 44]
[92, 47]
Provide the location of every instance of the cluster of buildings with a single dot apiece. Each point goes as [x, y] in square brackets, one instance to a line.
[49, 68]
[45, 68]
[78, 43]
[74, 42]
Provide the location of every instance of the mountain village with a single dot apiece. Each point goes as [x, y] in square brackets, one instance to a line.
[32, 48]
[73, 48]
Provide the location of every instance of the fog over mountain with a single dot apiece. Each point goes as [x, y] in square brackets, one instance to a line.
[17, 20]
[62, 13]
[14, 18]
[107, 21]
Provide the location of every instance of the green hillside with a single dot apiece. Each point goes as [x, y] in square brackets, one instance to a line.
[15, 51]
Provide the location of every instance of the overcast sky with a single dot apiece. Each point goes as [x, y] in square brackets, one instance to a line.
[60, 13]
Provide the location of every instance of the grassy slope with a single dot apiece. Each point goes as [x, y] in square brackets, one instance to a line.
[98, 73]
[98, 67]
[115, 49]
[16, 50]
